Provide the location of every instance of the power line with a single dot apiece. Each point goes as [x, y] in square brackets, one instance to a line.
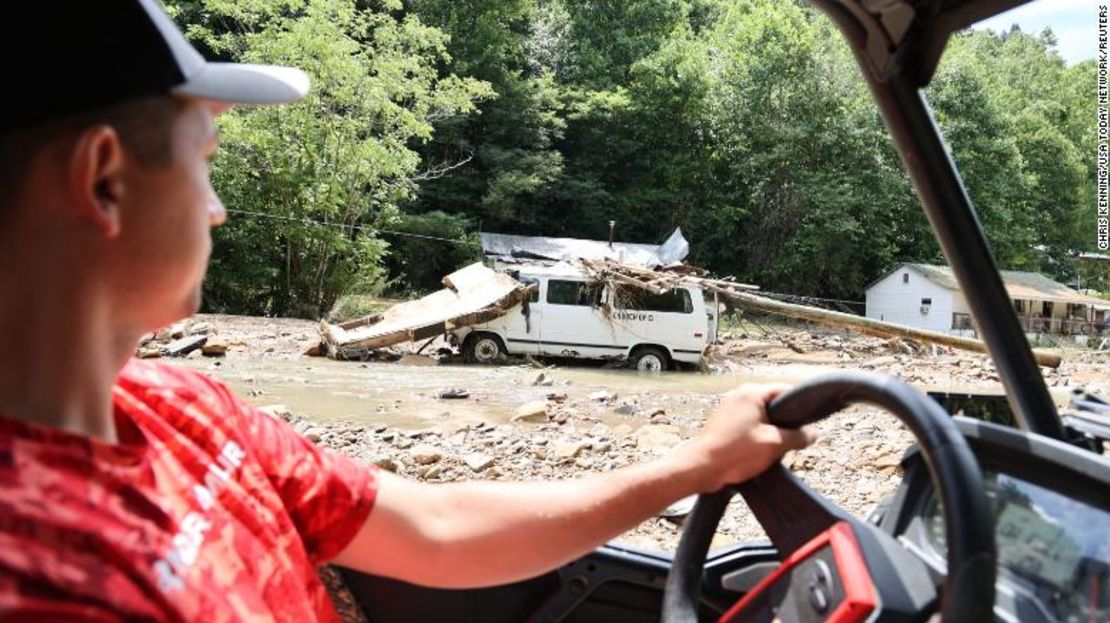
[802, 299]
[308, 221]
[393, 232]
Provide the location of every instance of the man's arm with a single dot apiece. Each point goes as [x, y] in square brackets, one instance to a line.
[471, 534]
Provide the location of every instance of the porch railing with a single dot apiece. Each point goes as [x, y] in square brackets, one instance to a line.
[1031, 324]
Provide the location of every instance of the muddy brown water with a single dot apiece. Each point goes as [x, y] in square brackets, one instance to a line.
[406, 396]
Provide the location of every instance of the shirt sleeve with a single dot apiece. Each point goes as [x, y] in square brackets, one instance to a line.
[56, 609]
[328, 495]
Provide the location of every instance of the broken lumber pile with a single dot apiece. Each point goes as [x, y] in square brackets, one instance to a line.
[471, 295]
[742, 296]
[182, 339]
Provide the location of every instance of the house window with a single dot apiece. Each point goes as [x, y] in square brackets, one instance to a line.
[962, 322]
[1019, 306]
[926, 302]
[905, 277]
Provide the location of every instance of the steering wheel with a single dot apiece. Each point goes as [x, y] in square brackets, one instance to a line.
[834, 565]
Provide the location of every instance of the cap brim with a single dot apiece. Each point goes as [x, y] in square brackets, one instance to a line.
[241, 83]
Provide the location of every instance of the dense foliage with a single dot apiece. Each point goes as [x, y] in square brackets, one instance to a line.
[743, 121]
[309, 185]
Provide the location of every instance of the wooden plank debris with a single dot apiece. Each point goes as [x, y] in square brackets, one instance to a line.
[471, 295]
[185, 345]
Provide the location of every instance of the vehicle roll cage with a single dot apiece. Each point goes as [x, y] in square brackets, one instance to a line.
[897, 44]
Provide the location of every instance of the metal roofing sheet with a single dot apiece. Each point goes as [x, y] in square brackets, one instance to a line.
[505, 246]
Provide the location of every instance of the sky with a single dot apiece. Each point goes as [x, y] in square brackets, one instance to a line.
[1075, 23]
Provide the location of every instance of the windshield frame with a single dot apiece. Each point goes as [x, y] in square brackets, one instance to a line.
[897, 52]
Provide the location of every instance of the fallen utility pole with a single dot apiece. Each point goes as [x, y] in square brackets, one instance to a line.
[741, 294]
[869, 326]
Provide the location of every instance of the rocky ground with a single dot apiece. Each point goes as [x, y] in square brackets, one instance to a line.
[855, 463]
[448, 423]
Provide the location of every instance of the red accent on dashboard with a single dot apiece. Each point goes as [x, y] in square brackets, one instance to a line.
[859, 591]
[860, 599]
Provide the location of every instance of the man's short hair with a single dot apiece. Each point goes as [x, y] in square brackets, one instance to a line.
[145, 126]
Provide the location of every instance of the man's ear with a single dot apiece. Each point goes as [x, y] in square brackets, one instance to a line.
[96, 178]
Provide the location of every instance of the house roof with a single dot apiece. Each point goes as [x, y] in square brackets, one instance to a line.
[530, 249]
[1019, 285]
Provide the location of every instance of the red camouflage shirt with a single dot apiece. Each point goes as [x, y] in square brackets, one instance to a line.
[207, 510]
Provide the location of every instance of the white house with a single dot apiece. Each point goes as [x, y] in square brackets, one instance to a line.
[926, 296]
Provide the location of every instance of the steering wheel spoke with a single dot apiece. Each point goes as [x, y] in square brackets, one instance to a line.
[789, 511]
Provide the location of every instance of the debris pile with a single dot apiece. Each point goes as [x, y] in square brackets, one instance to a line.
[809, 341]
[217, 336]
[470, 295]
[182, 339]
[742, 295]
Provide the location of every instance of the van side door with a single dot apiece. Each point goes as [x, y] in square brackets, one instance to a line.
[522, 327]
[675, 319]
[574, 321]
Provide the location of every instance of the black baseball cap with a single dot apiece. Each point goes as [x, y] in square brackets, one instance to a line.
[77, 55]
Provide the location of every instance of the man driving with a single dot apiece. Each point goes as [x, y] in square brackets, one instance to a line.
[139, 490]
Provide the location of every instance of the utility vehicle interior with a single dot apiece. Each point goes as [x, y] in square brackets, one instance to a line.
[1003, 520]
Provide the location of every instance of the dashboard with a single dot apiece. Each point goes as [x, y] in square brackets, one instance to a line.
[1052, 525]
[1053, 551]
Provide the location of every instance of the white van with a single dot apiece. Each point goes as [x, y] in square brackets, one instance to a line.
[567, 316]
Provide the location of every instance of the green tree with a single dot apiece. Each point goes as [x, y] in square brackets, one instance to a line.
[1080, 128]
[500, 163]
[308, 184]
[745, 122]
[983, 144]
[608, 37]
[436, 245]
[816, 195]
[1022, 137]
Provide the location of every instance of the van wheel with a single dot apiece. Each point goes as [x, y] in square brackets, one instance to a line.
[650, 359]
[483, 348]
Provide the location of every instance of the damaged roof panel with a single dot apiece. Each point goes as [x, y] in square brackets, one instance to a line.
[512, 248]
[471, 295]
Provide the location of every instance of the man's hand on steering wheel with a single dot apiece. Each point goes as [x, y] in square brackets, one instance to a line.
[737, 443]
